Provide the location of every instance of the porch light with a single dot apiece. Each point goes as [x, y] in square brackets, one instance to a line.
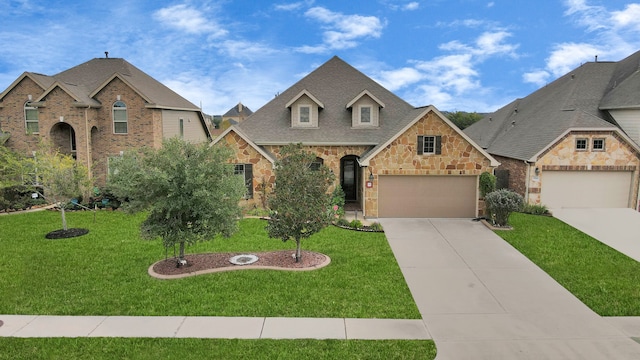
[370, 176]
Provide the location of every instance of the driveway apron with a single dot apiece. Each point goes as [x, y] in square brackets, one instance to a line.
[481, 299]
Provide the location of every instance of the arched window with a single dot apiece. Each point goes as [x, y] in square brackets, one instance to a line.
[120, 117]
[31, 118]
[317, 163]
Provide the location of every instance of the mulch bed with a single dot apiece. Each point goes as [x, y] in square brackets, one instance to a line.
[65, 234]
[214, 262]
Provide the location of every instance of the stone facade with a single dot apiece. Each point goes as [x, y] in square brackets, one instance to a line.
[617, 156]
[400, 157]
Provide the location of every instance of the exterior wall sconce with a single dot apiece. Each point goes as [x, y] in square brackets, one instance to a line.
[370, 182]
[61, 118]
[30, 97]
[370, 176]
[537, 171]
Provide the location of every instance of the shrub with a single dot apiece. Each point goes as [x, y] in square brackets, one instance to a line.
[342, 222]
[337, 198]
[534, 209]
[376, 226]
[487, 183]
[356, 224]
[501, 203]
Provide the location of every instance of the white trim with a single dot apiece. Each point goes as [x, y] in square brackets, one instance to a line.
[614, 129]
[494, 162]
[245, 138]
[304, 92]
[363, 93]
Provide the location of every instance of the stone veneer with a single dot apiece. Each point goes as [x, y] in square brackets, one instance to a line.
[400, 157]
[618, 156]
[458, 157]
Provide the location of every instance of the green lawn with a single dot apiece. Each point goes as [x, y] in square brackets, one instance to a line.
[119, 348]
[604, 279]
[105, 273]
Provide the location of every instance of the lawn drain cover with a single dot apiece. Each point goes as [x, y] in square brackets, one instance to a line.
[244, 259]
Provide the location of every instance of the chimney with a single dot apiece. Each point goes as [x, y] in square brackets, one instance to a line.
[240, 107]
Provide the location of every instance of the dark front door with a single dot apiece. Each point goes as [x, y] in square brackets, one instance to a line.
[349, 177]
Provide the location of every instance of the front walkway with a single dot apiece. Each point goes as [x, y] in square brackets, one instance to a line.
[482, 299]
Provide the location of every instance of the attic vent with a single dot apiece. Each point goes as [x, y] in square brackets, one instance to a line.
[106, 54]
[573, 76]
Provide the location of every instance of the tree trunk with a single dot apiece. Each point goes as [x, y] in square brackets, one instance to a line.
[64, 217]
[298, 254]
[181, 256]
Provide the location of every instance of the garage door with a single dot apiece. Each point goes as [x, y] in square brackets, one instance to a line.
[427, 196]
[584, 189]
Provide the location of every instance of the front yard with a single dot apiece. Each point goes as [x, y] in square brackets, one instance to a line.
[601, 277]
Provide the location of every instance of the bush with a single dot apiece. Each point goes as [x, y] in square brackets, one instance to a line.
[356, 224]
[501, 203]
[337, 198]
[376, 226]
[534, 209]
[342, 222]
[487, 183]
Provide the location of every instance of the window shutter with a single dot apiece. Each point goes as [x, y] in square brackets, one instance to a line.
[438, 145]
[248, 179]
[420, 144]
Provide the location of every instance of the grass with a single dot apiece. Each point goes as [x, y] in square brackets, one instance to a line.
[146, 348]
[105, 273]
[601, 277]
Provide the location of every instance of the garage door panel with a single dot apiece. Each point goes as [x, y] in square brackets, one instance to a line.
[427, 196]
[586, 189]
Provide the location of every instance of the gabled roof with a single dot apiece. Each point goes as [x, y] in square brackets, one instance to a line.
[521, 129]
[235, 129]
[301, 94]
[43, 81]
[624, 87]
[335, 83]
[238, 111]
[363, 93]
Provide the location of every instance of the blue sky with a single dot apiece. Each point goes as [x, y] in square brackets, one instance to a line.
[463, 55]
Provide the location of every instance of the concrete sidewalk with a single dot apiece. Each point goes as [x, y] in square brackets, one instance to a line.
[482, 299]
[211, 327]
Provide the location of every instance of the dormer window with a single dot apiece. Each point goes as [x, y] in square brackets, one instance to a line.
[365, 110]
[305, 110]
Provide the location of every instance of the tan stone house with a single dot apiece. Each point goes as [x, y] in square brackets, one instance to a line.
[94, 111]
[390, 158]
[574, 142]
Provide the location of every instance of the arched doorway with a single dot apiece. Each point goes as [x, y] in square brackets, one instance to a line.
[63, 138]
[350, 178]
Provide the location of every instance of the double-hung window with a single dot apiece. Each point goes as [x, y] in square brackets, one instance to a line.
[120, 118]
[365, 115]
[429, 144]
[304, 114]
[31, 118]
[598, 144]
[246, 172]
[581, 144]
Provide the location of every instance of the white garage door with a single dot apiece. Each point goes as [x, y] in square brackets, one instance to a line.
[427, 196]
[585, 189]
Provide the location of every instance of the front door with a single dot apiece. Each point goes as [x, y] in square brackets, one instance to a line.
[349, 177]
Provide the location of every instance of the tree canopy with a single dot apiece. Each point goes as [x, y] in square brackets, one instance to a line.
[300, 202]
[190, 191]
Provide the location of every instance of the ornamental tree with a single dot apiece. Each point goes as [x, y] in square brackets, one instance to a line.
[300, 201]
[190, 191]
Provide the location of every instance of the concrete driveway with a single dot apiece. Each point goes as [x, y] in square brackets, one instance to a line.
[481, 299]
[618, 228]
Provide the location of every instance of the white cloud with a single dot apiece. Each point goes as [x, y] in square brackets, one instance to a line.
[342, 31]
[491, 4]
[627, 18]
[293, 6]
[538, 77]
[188, 19]
[396, 79]
[414, 5]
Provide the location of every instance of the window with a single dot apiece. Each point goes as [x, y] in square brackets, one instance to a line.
[181, 128]
[246, 171]
[305, 114]
[581, 144]
[429, 144]
[598, 145]
[120, 118]
[31, 118]
[365, 114]
[316, 164]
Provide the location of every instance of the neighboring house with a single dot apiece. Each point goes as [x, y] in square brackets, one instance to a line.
[237, 114]
[95, 111]
[574, 142]
[391, 159]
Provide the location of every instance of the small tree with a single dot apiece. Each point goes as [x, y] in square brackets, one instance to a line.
[61, 177]
[300, 202]
[190, 191]
[501, 204]
[487, 183]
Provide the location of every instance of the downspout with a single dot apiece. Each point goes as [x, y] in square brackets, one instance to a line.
[526, 183]
[88, 139]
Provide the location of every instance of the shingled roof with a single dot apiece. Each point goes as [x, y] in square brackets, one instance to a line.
[334, 84]
[577, 100]
[83, 81]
